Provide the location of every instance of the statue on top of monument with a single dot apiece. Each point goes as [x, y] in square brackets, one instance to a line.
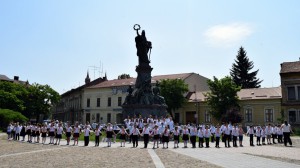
[142, 45]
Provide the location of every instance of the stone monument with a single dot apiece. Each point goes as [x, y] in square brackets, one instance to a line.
[143, 99]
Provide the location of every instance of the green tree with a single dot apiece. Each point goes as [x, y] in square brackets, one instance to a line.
[12, 96]
[172, 90]
[40, 100]
[240, 71]
[223, 100]
[124, 76]
[7, 116]
[30, 100]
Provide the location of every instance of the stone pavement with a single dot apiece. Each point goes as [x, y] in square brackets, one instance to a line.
[224, 157]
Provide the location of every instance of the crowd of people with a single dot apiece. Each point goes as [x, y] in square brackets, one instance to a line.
[160, 131]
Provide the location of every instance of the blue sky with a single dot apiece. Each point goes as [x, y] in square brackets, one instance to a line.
[56, 42]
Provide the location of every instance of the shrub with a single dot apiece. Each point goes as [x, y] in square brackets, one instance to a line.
[7, 116]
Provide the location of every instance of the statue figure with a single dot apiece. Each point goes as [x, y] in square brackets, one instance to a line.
[129, 98]
[158, 99]
[142, 45]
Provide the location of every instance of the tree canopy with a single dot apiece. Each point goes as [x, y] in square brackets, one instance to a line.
[173, 91]
[124, 76]
[7, 116]
[240, 71]
[223, 100]
[29, 100]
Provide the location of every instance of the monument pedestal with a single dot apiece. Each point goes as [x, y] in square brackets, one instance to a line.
[144, 110]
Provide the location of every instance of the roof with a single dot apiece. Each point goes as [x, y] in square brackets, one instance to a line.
[246, 94]
[4, 78]
[288, 67]
[131, 81]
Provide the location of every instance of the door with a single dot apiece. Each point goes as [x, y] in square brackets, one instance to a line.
[190, 117]
[87, 117]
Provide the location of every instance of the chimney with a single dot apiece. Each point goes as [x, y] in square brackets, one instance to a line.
[16, 78]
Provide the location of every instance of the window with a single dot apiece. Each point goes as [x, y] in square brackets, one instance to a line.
[97, 117]
[291, 93]
[269, 115]
[109, 101]
[88, 101]
[207, 117]
[298, 88]
[98, 102]
[108, 117]
[248, 115]
[292, 116]
[119, 101]
[177, 115]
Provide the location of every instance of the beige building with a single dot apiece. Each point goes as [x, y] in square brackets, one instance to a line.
[290, 84]
[257, 106]
[102, 102]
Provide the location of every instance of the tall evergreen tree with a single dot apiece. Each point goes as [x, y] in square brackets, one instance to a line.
[240, 71]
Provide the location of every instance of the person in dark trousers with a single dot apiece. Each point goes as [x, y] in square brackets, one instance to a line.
[218, 135]
[287, 130]
[135, 134]
[86, 136]
[145, 134]
[250, 132]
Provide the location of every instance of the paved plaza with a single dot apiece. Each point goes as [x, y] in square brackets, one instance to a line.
[23, 154]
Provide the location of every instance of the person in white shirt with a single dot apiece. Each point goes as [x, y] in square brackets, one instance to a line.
[135, 136]
[200, 135]
[38, 132]
[218, 135]
[86, 132]
[185, 136]
[59, 131]
[8, 131]
[268, 134]
[52, 133]
[279, 133]
[145, 134]
[165, 137]
[176, 134]
[226, 132]
[207, 135]
[18, 131]
[123, 133]
[274, 133]
[258, 135]
[23, 131]
[44, 133]
[193, 134]
[287, 130]
[68, 133]
[109, 134]
[263, 135]
[235, 134]
[250, 132]
[33, 134]
[76, 133]
[28, 132]
[155, 134]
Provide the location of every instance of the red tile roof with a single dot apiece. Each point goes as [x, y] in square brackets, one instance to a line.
[288, 67]
[131, 81]
[245, 94]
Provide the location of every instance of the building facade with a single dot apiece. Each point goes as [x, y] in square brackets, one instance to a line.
[290, 84]
[102, 102]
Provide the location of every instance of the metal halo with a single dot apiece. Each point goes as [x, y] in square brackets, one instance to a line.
[136, 27]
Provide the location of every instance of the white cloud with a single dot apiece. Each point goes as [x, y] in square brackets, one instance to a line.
[228, 34]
